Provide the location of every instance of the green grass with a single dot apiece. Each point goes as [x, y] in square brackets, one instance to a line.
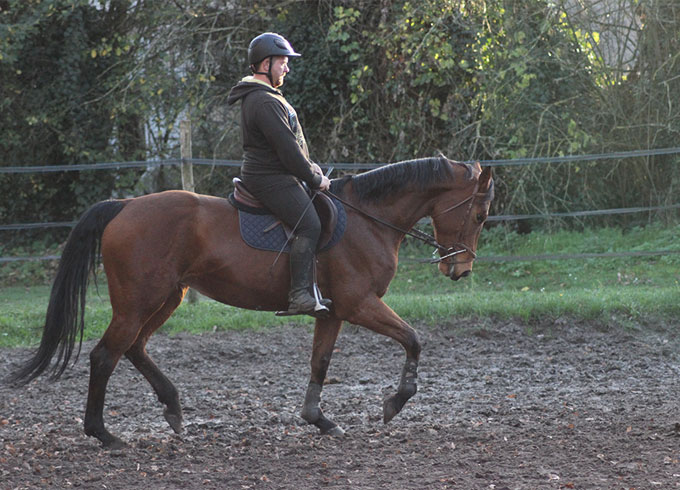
[610, 290]
[22, 314]
[593, 289]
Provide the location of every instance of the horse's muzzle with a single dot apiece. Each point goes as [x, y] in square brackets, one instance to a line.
[449, 270]
[454, 277]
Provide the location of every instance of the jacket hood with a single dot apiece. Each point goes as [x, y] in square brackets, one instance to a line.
[247, 85]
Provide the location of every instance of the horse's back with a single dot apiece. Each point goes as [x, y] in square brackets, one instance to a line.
[172, 227]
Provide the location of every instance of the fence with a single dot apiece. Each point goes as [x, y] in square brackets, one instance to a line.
[187, 178]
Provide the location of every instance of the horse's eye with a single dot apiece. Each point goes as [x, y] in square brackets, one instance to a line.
[480, 218]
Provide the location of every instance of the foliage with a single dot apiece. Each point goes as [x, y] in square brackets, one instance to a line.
[379, 80]
[406, 83]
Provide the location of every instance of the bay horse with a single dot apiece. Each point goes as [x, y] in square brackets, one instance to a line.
[155, 247]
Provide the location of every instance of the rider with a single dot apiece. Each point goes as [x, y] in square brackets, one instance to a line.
[276, 162]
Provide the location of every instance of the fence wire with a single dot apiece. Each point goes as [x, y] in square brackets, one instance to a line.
[339, 165]
[494, 218]
[481, 258]
[368, 166]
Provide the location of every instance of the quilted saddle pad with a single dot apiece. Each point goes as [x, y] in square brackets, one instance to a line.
[266, 232]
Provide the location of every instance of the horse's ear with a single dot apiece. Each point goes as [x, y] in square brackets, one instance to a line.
[484, 177]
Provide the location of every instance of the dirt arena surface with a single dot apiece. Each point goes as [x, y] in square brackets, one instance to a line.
[500, 405]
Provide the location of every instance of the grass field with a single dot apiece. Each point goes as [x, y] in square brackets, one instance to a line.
[622, 291]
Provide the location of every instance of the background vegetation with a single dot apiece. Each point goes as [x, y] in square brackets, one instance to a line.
[88, 81]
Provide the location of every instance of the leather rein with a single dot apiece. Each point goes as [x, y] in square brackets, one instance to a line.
[445, 252]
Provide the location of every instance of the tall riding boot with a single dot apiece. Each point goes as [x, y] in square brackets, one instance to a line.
[301, 301]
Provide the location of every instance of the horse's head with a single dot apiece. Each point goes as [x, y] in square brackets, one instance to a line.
[458, 217]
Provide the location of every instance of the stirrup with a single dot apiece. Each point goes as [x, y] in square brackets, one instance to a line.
[321, 308]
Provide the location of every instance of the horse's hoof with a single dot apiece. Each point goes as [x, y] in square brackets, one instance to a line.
[335, 431]
[391, 407]
[174, 420]
[114, 444]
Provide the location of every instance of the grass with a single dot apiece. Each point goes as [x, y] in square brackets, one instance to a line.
[591, 289]
[22, 314]
[621, 290]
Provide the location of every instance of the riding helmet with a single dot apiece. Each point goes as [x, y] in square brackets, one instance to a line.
[269, 44]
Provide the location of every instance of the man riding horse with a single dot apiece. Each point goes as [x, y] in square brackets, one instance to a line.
[276, 162]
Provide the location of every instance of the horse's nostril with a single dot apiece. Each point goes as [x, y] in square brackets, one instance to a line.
[465, 274]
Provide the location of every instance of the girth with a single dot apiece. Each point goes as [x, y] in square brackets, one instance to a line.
[323, 204]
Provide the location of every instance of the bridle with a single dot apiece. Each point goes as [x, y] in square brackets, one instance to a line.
[458, 247]
[445, 252]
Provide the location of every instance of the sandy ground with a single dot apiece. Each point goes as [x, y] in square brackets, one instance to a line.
[501, 405]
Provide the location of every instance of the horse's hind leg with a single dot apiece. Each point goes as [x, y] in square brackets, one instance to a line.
[165, 390]
[325, 334]
[103, 359]
[122, 333]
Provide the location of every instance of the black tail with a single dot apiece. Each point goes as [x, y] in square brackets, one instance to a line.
[67, 300]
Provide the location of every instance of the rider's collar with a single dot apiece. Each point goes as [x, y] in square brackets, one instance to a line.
[252, 79]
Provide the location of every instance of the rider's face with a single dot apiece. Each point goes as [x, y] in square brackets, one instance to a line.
[279, 68]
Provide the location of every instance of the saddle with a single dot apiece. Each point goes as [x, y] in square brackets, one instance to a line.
[326, 208]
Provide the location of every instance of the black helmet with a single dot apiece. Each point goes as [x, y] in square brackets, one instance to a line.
[269, 44]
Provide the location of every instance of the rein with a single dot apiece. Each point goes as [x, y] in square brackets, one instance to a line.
[421, 235]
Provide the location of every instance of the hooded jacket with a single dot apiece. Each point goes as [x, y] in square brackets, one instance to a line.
[273, 141]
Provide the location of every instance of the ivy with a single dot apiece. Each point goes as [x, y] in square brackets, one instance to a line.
[86, 81]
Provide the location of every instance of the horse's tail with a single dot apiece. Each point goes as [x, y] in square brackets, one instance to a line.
[66, 309]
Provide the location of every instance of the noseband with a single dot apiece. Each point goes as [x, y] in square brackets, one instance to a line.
[458, 247]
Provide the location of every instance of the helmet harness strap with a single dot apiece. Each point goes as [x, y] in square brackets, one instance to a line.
[268, 73]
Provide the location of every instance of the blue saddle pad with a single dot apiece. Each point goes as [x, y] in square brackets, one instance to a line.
[259, 232]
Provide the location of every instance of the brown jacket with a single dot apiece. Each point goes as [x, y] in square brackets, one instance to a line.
[273, 141]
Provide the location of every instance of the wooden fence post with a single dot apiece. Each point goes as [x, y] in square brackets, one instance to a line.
[185, 153]
[187, 175]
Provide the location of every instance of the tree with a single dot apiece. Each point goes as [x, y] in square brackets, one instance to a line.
[379, 80]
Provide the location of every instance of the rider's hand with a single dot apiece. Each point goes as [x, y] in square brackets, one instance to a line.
[316, 169]
[325, 183]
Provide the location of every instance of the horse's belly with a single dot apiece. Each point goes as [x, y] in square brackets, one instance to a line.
[248, 292]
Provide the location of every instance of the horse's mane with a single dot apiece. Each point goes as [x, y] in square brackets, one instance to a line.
[381, 182]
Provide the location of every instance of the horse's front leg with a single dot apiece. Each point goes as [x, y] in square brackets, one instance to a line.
[325, 334]
[377, 316]
[407, 388]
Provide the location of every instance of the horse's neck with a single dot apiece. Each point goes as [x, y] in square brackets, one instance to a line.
[403, 211]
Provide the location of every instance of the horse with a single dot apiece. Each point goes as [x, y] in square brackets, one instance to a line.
[154, 247]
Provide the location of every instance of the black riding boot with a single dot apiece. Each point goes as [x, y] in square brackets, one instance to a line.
[301, 300]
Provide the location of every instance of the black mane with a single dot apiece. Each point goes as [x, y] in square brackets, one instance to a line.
[389, 179]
